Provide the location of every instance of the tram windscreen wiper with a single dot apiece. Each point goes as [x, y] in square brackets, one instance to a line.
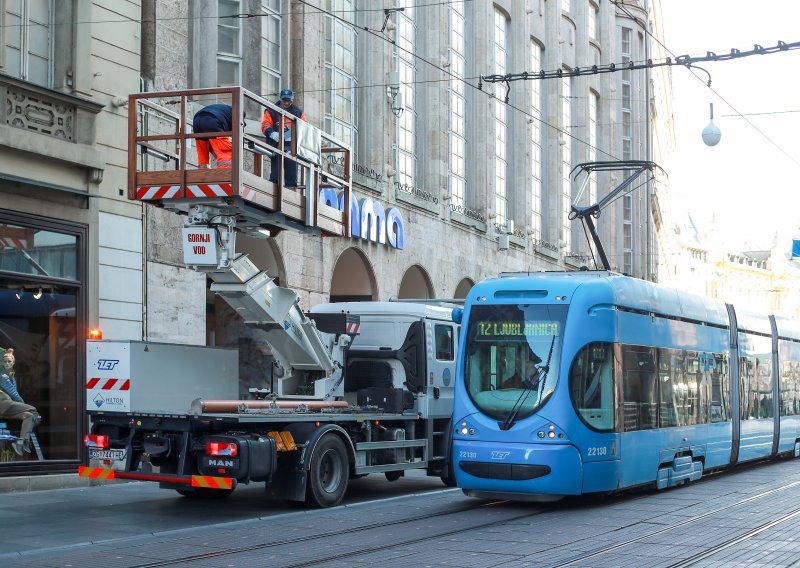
[528, 386]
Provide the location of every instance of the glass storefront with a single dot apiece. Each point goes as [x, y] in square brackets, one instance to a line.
[41, 312]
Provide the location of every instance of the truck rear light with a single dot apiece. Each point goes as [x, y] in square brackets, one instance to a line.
[221, 449]
[96, 441]
[96, 334]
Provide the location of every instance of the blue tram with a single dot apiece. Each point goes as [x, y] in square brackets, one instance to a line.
[582, 382]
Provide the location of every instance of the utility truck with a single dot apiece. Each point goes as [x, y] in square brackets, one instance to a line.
[356, 388]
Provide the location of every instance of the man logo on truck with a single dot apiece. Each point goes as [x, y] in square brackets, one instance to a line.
[107, 364]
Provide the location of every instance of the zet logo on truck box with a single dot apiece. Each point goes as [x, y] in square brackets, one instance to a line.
[108, 383]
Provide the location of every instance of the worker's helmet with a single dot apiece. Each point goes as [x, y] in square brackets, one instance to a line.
[287, 94]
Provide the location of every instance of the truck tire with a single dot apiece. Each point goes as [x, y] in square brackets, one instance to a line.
[450, 479]
[205, 494]
[328, 473]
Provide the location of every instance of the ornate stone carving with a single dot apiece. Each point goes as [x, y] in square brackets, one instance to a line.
[34, 112]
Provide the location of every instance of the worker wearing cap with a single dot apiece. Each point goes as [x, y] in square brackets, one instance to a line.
[273, 131]
[214, 118]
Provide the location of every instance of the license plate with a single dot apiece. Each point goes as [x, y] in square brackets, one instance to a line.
[115, 455]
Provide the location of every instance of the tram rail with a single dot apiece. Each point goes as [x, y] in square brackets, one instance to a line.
[465, 508]
[574, 560]
[613, 547]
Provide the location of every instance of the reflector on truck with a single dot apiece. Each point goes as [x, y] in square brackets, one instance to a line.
[95, 472]
[211, 482]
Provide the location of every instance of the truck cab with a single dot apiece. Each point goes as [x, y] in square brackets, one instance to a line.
[402, 357]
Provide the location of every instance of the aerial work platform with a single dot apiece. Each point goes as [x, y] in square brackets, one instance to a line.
[162, 165]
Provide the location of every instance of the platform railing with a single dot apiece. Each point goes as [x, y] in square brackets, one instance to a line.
[162, 166]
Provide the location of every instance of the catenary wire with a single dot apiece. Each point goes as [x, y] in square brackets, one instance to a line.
[240, 15]
[622, 7]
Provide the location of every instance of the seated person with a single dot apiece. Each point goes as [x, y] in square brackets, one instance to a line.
[12, 406]
[529, 372]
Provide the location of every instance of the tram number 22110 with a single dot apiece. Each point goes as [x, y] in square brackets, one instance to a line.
[596, 451]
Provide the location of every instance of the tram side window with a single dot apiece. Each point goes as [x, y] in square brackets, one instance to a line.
[685, 388]
[639, 388]
[763, 387]
[790, 388]
[747, 368]
[667, 411]
[696, 402]
[720, 387]
[591, 380]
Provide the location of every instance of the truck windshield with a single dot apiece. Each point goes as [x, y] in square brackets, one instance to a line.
[507, 347]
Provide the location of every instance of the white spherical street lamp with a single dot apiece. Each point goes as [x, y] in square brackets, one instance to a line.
[711, 134]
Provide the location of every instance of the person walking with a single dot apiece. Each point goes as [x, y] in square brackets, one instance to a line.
[214, 118]
[273, 131]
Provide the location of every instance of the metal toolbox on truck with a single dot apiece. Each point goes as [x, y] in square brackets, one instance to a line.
[142, 376]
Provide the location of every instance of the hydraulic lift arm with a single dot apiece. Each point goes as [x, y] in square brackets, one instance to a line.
[633, 169]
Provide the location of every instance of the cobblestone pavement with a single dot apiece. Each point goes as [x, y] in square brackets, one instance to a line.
[750, 517]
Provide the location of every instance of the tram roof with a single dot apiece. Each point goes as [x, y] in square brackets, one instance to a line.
[617, 289]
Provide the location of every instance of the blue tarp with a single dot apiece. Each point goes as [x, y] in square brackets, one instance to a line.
[795, 248]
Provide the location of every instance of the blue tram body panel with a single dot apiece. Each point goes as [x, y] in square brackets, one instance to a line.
[628, 383]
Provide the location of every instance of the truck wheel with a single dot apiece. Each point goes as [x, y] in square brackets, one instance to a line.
[450, 479]
[205, 494]
[328, 473]
[394, 475]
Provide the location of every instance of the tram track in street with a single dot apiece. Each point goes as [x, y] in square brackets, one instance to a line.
[351, 530]
[716, 549]
[495, 522]
[614, 547]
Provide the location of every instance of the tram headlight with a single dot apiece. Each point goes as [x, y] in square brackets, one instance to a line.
[465, 429]
[548, 432]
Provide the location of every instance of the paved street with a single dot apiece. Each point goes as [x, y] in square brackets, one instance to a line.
[747, 518]
[66, 517]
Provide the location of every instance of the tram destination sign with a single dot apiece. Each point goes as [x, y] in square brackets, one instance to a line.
[493, 329]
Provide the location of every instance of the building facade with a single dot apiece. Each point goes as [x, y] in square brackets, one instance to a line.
[484, 179]
[480, 172]
[70, 243]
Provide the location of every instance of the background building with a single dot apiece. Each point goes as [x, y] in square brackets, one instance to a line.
[468, 171]
[764, 281]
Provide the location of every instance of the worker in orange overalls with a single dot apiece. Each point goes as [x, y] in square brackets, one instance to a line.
[214, 118]
[270, 126]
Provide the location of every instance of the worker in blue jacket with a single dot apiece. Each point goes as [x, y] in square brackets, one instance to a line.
[214, 118]
[273, 131]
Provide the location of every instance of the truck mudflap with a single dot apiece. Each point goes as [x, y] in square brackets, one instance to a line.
[197, 481]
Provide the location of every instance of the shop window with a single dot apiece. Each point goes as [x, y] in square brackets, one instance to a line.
[40, 341]
[39, 326]
[37, 252]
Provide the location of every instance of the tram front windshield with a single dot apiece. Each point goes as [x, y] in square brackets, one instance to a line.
[512, 354]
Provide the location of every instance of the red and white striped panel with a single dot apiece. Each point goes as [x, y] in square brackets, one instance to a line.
[248, 194]
[353, 327]
[209, 190]
[12, 243]
[157, 191]
[108, 384]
